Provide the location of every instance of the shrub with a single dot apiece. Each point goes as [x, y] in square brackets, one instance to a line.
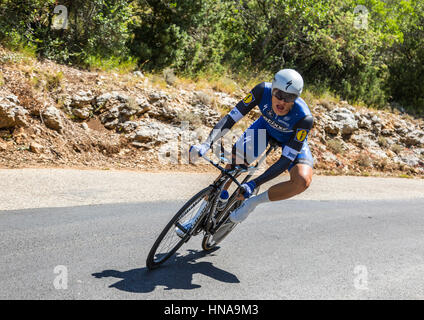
[246, 39]
[382, 141]
[203, 98]
[98, 27]
[364, 160]
[169, 76]
[396, 148]
[336, 146]
[53, 80]
[194, 120]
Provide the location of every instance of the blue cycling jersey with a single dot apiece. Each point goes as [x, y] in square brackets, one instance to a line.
[290, 130]
[281, 128]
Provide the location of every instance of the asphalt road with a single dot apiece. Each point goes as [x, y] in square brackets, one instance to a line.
[356, 248]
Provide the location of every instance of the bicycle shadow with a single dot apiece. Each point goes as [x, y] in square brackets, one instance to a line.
[176, 273]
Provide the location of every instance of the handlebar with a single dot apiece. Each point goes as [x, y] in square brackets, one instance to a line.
[273, 145]
[224, 171]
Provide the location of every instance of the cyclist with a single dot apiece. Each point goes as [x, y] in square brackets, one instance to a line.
[285, 118]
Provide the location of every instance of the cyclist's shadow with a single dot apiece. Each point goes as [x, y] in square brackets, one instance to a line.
[176, 273]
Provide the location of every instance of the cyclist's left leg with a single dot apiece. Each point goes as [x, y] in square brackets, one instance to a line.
[300, 178]
[301, 171]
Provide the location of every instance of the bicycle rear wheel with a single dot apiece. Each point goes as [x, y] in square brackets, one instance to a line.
[168, 241]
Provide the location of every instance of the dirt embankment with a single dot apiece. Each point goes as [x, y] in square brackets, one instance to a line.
[58, 116]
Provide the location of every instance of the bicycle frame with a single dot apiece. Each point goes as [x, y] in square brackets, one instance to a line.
[227, 174]
[209, 221]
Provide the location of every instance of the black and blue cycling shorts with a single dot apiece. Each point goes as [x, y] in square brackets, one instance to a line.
[255, 140]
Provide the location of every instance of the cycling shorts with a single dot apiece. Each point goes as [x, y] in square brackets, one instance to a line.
[254, 141]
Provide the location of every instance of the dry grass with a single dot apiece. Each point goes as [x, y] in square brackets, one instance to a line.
[192, 119]
[364, 160]
[221, 84]
[169, 76]
[226, 85]
[382, 141]
[336, 146]
[157, 81]
[204, 98]
[396, 148]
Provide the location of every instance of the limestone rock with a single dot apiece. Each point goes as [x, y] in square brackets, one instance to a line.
[36, 147]
[52, 118]
[12, 115]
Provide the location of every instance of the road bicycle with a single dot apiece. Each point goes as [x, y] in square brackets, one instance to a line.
[213, 223]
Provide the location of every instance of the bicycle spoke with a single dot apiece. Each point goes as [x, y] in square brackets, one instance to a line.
[169, 241]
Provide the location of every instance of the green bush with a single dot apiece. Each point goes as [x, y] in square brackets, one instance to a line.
[380, 63]
[406, 80]
[189, 36]
[95, 28]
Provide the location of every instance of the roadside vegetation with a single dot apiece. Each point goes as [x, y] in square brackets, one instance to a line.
[80, 81]
[367, 51]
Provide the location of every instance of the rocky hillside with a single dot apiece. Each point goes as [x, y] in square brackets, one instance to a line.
[57, 116]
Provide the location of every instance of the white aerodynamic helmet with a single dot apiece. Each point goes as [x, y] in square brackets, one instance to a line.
[288, 80]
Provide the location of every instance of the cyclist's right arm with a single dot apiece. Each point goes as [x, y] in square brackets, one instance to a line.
[239, 111]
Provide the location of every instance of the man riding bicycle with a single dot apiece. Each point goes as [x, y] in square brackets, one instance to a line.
[286, 119]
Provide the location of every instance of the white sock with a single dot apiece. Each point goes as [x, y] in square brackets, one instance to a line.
[248, 206]
[260, 198]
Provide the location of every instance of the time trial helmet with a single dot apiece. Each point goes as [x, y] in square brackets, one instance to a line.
[288, 80]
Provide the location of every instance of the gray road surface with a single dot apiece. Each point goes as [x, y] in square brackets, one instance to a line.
[345, 238]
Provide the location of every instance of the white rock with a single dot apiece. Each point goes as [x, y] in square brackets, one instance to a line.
[12, 115]
[52, 118]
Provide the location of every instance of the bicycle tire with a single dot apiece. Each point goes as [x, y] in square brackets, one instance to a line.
[151, 261]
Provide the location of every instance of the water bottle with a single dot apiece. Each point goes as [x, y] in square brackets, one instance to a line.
[222, 200]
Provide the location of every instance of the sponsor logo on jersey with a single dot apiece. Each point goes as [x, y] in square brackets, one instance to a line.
[236, 114]
[290, 153]
[277, 126]
[301, 135]
[284, 122]
[248, 99]
[268, 111]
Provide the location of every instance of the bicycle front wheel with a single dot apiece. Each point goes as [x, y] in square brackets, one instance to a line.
[168, 241]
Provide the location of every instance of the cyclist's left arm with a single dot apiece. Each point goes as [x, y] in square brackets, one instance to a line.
[290, 151]
[236, 114]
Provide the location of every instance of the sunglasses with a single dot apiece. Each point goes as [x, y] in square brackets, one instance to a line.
[284, 96]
